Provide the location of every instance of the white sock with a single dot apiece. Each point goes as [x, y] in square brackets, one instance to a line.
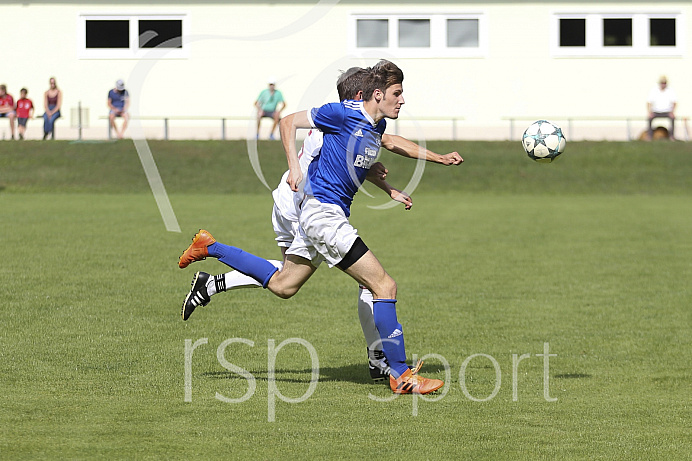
[367, 320]
[235, 280]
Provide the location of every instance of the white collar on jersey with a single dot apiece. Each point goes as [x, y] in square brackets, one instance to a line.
[358, 105]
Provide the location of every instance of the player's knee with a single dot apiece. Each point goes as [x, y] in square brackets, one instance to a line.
[385, 289]
[280, 288]
[390, 287]
[285, 292]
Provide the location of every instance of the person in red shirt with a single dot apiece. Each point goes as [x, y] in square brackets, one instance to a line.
[7, 107]
[25, 110]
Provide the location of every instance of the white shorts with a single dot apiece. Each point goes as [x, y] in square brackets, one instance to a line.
[289, 236]
[326, 227]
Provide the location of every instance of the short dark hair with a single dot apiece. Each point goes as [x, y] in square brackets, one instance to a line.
[351, 82]
[24, 90]
[383, 75]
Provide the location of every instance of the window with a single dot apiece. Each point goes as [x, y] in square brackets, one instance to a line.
[414, 33]
[462, 33]
[162, 33]
[132, 36]
[572, 32]
[373, 33]
[661, 32]
[617, 34]
[419, 35]
[108, 34]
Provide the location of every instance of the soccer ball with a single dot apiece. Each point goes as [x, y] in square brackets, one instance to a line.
[543, 141]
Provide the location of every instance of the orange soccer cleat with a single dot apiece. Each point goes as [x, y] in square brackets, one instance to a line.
[412, 383]
[197, 250]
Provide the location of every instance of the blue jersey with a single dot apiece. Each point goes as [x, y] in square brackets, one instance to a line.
[351, 144]
[118, 98]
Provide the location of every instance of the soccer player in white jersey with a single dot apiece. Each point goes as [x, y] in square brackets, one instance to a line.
[353, 131]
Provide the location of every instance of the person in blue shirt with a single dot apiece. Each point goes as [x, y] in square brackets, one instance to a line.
[118, 103]
[352, 137]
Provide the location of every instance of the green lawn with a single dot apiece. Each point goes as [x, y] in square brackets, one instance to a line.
[591, 255]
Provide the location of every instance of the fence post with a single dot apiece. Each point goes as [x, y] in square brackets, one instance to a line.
[79, 120]
[165, 129]
[223, 129]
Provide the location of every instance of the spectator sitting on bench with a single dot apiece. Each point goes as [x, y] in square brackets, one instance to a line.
[118, 103]
[661, 104]
[7, 107]
[52, 101]
[25, 110]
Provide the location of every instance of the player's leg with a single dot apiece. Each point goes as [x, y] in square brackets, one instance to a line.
[205, 285]
[295, 271]
[235, 280]
[368, 271]
[284, 284]
[377, 362]
[292, 277]
[204, 244]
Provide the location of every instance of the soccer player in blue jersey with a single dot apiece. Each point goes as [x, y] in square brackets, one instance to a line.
[285, 222]
[352, 138]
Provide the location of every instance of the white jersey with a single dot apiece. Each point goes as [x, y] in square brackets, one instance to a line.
[286, 201]
[662, 100]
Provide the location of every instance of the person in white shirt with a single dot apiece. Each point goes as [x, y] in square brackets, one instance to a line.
[661, 104]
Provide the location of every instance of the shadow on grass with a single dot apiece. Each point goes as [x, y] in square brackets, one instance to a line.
[572, 376]
[355, 373]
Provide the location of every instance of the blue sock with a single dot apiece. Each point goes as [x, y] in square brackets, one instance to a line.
[244, 262]
[391, 333]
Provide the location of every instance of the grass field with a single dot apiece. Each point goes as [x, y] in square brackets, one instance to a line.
[590, 256]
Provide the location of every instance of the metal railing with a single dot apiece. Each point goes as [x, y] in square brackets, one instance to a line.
[167, 118]
[452, 121]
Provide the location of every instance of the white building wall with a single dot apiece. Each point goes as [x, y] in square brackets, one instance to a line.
[234, 47]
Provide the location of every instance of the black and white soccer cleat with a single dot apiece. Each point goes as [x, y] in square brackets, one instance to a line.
[197, 296]
[378, 365]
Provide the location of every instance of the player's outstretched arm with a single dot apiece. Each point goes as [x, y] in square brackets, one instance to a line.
[287, 128]
[410, 149]
[376, 175]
